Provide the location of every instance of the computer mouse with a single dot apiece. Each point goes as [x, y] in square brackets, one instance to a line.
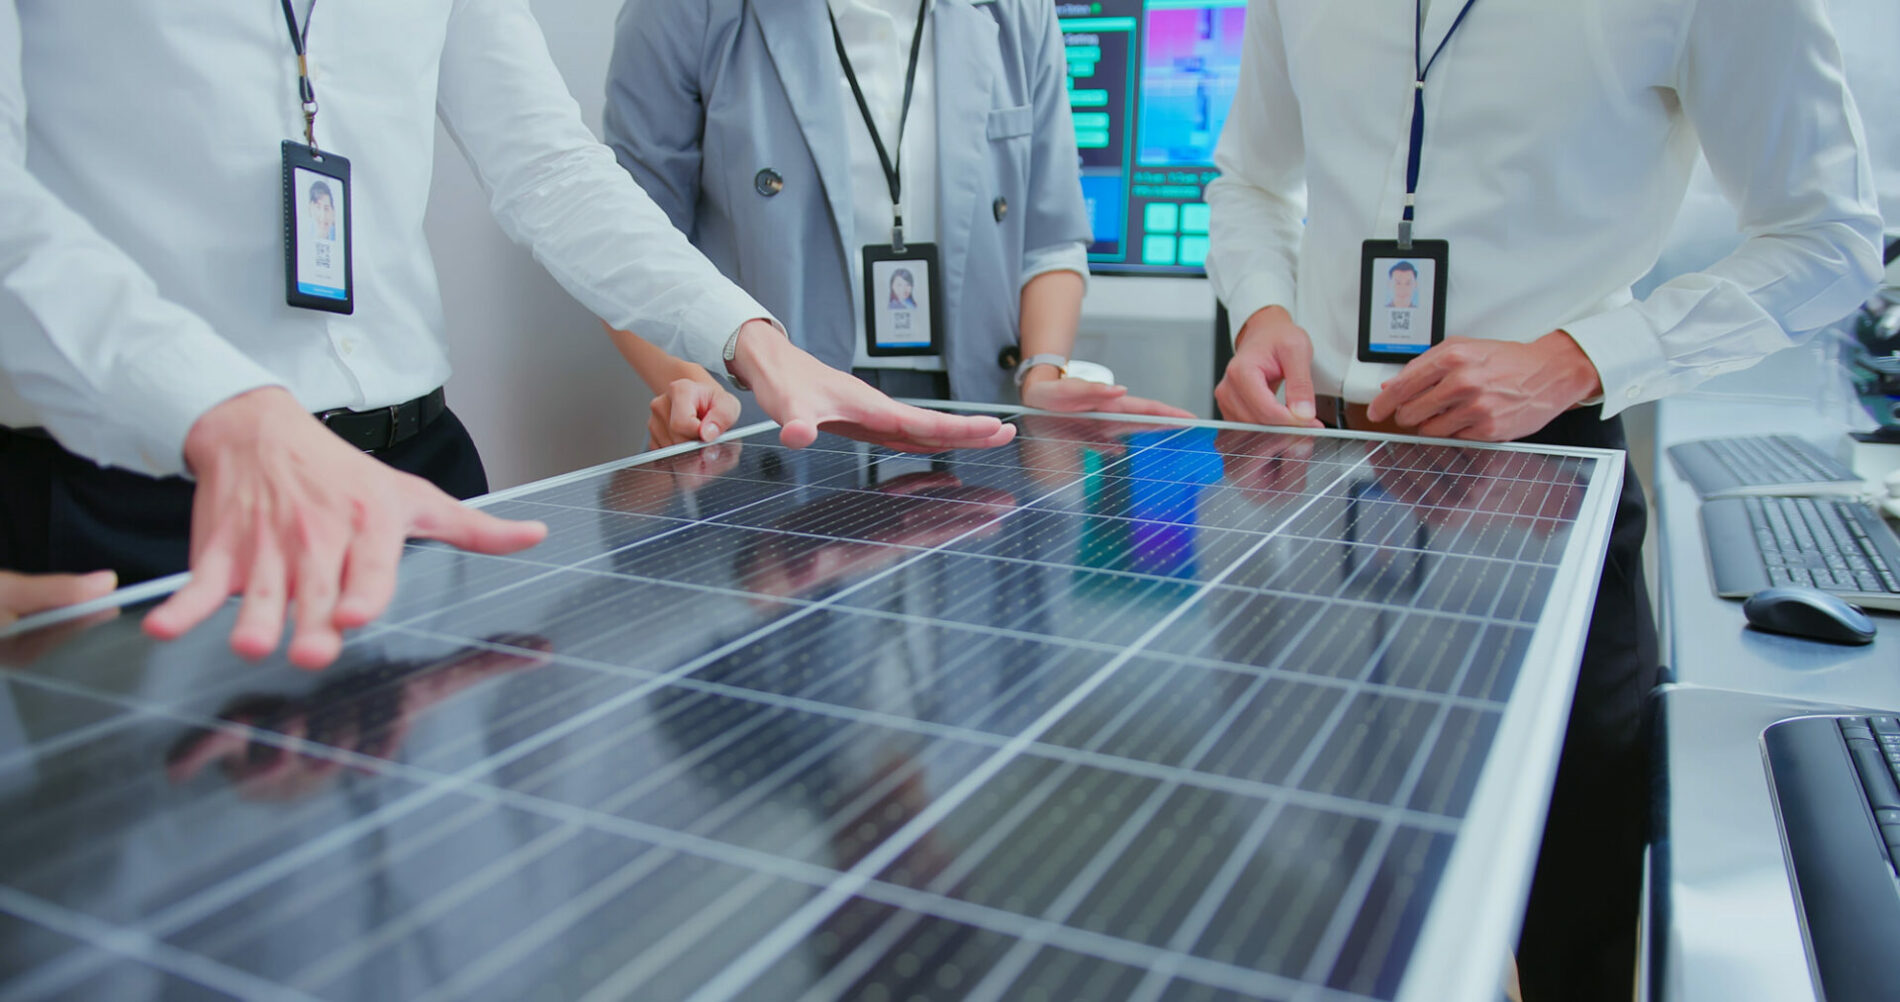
[1810, 613]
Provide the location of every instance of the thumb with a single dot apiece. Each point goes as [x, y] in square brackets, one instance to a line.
[720, 414]
[24, 595]
[460, 526]
[1296, 365]
[798, 433]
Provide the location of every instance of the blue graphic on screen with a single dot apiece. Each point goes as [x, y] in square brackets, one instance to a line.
[1104, 198]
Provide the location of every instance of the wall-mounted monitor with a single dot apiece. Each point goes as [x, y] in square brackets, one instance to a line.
[1150, 83]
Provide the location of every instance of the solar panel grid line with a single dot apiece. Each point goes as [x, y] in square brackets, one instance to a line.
[1088, 879]
[861, 960]
[1333, 941]
[1227, 664]
[1103, 946]
[1205, 908]
[1540, 707]
[134, 945]
[306, 901]
[320, 971]
[767, 950]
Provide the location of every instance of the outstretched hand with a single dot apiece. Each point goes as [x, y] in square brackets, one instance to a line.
[806, 396]
[1068, 395]
[297, 522]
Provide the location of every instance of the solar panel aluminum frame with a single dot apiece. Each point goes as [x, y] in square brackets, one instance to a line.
[1473, 916]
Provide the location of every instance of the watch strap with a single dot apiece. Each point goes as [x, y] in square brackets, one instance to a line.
[1047, 358]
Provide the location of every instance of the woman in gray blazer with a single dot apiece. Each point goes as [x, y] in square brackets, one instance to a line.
[740, 119]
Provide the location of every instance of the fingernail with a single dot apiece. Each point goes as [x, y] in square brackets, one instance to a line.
[1303, 410]
[110, 579]
[709, 431]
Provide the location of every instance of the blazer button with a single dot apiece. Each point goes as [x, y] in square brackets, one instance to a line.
[768, 182]
[1000, 207]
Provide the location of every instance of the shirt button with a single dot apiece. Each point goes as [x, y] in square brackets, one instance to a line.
[347, 346]
[1633, 392]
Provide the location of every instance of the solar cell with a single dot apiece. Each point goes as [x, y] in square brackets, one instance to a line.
[1124, 709]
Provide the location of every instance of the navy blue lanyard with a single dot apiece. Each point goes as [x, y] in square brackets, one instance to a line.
[300, 41]
[1418, 106]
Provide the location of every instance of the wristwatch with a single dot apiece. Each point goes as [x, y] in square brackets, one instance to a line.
[730, 354]
[1069, 367]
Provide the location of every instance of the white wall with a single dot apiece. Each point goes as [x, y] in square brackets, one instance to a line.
[536, 381]
[543, 391]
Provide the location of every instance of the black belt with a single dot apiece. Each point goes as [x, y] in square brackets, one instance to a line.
[385, 427]
[370, 431]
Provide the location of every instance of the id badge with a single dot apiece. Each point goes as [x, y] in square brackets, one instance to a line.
[317, 271]
[1401, 298]
[902, 310]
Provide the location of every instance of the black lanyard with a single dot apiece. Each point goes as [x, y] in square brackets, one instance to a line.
[1418, 106]
[300, 40]
[891, 174]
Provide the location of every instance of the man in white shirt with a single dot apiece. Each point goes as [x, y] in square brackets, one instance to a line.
[144, 331]
[1556, 143]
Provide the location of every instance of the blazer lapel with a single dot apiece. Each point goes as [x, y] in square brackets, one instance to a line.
[798, 37]
[966, 54]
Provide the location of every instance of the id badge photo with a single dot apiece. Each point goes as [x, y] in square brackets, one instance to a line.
[317, 235]
[1401, 298]
[903, 312]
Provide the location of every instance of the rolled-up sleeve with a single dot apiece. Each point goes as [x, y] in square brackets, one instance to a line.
[1765, 88]
[1258, 203]
[115, 371]
[557, 190]
[1056, 229]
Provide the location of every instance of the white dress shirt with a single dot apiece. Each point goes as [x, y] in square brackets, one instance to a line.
[1558, 141]
[141, 244]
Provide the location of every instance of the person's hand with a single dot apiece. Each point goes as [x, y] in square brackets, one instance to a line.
[1046, 389]
[806, 396]
[691, 410]
[287, 515]
[22, 595]
[1271, 351]
[1487, 391]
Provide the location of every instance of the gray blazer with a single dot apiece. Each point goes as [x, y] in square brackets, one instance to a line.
[704, 96]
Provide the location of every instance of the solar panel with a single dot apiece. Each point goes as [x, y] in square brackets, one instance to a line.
[1124, 709]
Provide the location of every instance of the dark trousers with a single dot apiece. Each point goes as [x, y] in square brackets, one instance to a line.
[61, 512]
[1579, 934]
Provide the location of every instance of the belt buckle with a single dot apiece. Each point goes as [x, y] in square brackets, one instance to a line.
[395, 425]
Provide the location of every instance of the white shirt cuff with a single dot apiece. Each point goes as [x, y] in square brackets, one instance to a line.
[713, 321]
[1253, 294]
[163, 394]
[1627, 355]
